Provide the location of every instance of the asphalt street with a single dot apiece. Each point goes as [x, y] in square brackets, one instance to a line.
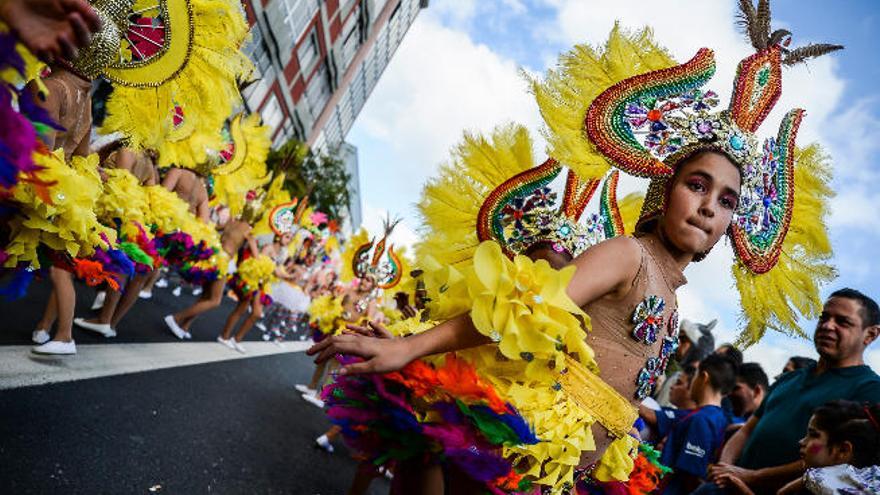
[235, 427]
[229, 427]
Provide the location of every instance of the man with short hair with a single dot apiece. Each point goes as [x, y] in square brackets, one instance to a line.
[748, 393]
[766, 450]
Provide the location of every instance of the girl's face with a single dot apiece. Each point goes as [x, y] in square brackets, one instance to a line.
[815, 450]
[701, 202]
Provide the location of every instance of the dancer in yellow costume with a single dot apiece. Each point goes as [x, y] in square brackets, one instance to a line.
[632, 108]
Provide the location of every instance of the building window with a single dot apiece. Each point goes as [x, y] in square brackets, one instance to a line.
[318, 91]
[297, 14]
[308, 52]
[353, 38]
[272, 112]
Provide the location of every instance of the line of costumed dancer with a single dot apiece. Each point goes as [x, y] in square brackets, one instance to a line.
[543, 330]
[172, 148]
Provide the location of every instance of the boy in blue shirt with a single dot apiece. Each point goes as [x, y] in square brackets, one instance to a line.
[695, 438]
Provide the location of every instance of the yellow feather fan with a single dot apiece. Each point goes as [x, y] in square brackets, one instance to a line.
[451, 202]
[251, 147]
[630, 208]
[195, 76]
[584, 72]
[774, 299]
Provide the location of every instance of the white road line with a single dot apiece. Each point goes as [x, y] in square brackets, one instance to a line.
[21, 368]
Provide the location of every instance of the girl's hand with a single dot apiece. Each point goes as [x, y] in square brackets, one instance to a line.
[380, 355]
[732, 483]
[372, 329]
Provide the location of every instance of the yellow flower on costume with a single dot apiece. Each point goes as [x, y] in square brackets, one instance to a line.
[326, 312]
[522, 305]
[68, 224]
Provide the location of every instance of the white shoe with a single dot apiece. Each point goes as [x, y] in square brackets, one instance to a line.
[40, 336]
[176, 291]
[161, 283]
[174, 327]
[261, 326]
[227, 343]
[187, 335]
[102, 328]
[305, 389]
[55, 347]
[324, 443]
[238, 347]
[145, 294]
[313, 399]
[197, 291]
[99, 300]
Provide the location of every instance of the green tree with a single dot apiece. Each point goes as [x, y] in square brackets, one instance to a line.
[322, 176]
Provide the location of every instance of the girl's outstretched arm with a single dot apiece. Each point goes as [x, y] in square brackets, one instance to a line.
[611, 265]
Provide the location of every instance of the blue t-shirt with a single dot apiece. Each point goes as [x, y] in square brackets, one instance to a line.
[693, 443]
[786, 411]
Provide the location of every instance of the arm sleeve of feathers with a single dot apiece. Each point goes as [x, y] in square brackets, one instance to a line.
[524, 307]
[777, 299]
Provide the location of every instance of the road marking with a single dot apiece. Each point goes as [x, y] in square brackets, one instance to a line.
[19, 367]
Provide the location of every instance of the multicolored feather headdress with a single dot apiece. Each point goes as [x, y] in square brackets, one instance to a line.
[286, 217]
[377, 262]
[646, 123]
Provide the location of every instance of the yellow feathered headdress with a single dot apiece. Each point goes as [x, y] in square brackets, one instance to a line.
[242, 163]
[175, 80]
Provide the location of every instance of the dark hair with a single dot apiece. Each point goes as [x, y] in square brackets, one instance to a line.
[858, 424]
[870, 312]
[753, 375]
[722, 372]
[732, 352]
[802, 362]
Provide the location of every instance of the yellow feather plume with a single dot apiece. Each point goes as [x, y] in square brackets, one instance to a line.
[584, 72]
[275, 195]
[630, 207]
[451, 202]
[205, 89]
[777, 298]
[232, 188]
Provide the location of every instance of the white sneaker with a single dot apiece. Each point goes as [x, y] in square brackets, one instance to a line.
[227, 343]
[174, 327]
[304, 389]
[187, 335]
[41, 336]
[324, 443]
[102, 328]
[145, 294]
[99, 300]
[161, 283]
[313, 399]
[55, 347]
[176, 291]
[238, 347]
[197, 291]
[261, 326]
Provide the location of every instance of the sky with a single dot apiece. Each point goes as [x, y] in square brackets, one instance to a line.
[461, 67]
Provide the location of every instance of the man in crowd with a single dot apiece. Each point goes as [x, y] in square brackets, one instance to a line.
[765, 452]
[748, 393]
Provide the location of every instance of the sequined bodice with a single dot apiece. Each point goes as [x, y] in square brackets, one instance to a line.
[634, 337]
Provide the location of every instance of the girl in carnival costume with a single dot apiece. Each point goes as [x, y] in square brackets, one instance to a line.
[632, 108]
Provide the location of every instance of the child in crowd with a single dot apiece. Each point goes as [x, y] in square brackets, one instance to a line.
[679, 397]
[841, 451]
[694, 439]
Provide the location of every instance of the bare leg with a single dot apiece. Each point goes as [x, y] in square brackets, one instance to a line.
[50, 313]
[129, 297]
[233, 318]
[415, 477]
[110, 302]
[154, 277]
[65, 294]
[362, 478]
[316, 376]
[210, 300]
[256, 314]
[333, 432]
